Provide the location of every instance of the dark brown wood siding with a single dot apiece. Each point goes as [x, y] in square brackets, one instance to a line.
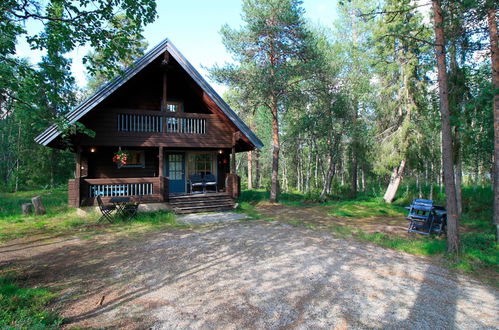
[104, 123]
[100, 164]
[142, 95]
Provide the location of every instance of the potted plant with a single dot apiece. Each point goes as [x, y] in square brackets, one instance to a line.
[121, 157]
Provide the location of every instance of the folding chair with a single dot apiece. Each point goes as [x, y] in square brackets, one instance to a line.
[130, 209]
[421, 216]
[195, 181]
[210, 181]
[105, 209]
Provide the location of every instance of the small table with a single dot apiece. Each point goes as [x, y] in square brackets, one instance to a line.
[120, 203]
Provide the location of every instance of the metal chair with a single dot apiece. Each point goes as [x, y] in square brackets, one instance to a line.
[195, 181]
[421, 216]
[210, 181]
[105, 209]
[131, 209]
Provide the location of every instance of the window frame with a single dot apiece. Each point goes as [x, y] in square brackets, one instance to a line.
[143, 160]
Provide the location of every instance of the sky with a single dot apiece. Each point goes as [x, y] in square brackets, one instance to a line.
[193, 27]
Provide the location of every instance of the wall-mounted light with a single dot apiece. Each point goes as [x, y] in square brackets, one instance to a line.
[93, 149]
[220, 151]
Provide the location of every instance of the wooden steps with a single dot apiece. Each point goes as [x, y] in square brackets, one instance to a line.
[194, 203]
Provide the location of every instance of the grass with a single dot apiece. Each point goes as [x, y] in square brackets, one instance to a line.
[25, 308]
[364, 209]
[61, 219]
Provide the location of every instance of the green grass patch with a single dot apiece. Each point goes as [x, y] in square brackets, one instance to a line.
[248, 209]
[25, 308]
[61, 219]
[255, 196]
[364, 209]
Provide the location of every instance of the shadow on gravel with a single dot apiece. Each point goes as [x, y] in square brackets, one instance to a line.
[256, 275]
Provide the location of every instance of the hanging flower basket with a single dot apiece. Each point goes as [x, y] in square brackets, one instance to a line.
[121, 157]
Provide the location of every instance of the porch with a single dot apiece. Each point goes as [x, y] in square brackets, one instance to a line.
[157, 174]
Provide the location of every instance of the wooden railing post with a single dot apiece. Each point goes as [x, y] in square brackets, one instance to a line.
[161, 157]
[77, 181]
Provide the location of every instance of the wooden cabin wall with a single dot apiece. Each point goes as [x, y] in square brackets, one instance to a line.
[100, 164]
[145, 90]
[142, 95]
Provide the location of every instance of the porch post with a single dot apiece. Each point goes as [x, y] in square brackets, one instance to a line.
[161, 174]
[161, 162]
[233, 160]
[77, 181]
[233, 183]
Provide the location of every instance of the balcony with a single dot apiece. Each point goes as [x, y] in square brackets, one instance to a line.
[171, 123]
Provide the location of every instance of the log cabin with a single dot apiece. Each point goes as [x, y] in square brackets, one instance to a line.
[175, 130]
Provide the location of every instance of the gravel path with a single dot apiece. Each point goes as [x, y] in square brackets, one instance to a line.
[256, 275]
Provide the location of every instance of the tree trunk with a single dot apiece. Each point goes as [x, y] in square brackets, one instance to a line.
[458, 172]
[364, 177]
[494, 53]
[257, 169]
[328, 176]
[274, 185]
[18, 156]
[355, 160]
[449, 182]
[27, 208]
[38, 205]
[285, 174]
[316, 181]
[395, 179]
[309, 169]
[250, 169]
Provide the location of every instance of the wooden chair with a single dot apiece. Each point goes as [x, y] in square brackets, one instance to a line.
[210, 181]
[105, 209]
[130, 210]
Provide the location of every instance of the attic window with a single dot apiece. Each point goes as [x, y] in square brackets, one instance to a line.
[174, 107]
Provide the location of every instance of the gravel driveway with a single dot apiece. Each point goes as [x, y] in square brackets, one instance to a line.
[253, 275]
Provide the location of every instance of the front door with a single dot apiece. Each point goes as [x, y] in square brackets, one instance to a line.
[175, 171]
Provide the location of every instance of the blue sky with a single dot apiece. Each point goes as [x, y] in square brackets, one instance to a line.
[193, 26]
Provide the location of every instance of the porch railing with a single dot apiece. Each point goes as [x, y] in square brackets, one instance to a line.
[127, 189]
[153, 189]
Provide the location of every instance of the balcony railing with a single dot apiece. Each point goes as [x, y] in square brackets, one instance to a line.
[163, 123]
[139, 123]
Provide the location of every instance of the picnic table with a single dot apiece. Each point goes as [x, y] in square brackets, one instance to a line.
[426, 218]
[120, 204]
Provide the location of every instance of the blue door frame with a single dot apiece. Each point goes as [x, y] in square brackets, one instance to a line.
[175, 171]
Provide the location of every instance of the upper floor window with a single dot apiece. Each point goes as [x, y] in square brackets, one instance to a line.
[174, 107]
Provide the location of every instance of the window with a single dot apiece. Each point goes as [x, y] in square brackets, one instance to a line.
[174, 107]
[175, 167]
[201, 163]
[136, 159]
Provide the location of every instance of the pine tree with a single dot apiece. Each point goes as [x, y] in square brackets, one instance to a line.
[271, 50]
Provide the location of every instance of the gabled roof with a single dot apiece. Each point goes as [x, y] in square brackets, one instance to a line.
[90, 103]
